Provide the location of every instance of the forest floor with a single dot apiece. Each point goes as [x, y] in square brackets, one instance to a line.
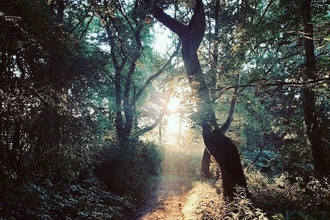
[178, 198]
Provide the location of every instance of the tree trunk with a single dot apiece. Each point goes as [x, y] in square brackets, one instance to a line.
[160, 133]
[206, 159]
[313, 131]
[220, 147]
[178, 140]
[226, 154]
[60, 11]
[125, 104]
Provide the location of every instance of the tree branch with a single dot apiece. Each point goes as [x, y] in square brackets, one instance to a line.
[166, 19]
[293, 84]
[262, 148]
[196, 25]
[226, 125]
[153, 77]
[158, 120]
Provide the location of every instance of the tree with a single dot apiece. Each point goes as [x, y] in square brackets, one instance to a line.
[273, 68]
[313, 131]
[220, 147]
[226, 34]
[127, 33]
[47, 126]
[291, 61]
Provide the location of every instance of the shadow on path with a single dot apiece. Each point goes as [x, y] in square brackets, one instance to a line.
[165, 200]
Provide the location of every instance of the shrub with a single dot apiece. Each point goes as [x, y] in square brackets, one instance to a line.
[87, 200]
[279, 195]
[242, 208]
[128, 170]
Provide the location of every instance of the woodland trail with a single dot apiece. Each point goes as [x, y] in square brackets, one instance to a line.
[166, 200]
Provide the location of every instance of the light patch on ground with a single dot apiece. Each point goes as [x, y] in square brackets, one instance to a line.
[203, 202]
[181, 199]
[170, 197]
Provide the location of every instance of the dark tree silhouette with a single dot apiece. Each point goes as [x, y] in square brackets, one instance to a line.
[206, 159]
[313, 131]
[226, 154]
[220, 147]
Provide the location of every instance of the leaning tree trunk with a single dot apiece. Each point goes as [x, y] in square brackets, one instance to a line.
[313, 131]
[219, 146]
[206, 159]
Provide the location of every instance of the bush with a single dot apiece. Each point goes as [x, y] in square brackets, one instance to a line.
[128, 170]
[87, 200]
[242, 208]
[279, 195]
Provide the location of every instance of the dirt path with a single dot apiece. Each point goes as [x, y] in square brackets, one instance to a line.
[166, 200]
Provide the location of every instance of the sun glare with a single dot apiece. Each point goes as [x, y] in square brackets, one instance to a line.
[175, 122]
[174, 104]
[162, 39]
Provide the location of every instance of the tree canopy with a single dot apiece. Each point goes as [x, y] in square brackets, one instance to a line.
[86, 87]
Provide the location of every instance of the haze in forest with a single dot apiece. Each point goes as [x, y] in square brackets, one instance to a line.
[104, 104]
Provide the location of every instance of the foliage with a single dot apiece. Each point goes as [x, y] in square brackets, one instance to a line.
[300, 215]
[280, 195]
[203, 202]
[87, 200]
[263, 42]
[129, 169]
[58, 102]
[45, 133]
[266, 198]
[242, 208]
[206, 202]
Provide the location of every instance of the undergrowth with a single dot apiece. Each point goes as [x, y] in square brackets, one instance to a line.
[87, 200]
[268, 198]
[122, 176]
[129, 169]
[307, 198]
